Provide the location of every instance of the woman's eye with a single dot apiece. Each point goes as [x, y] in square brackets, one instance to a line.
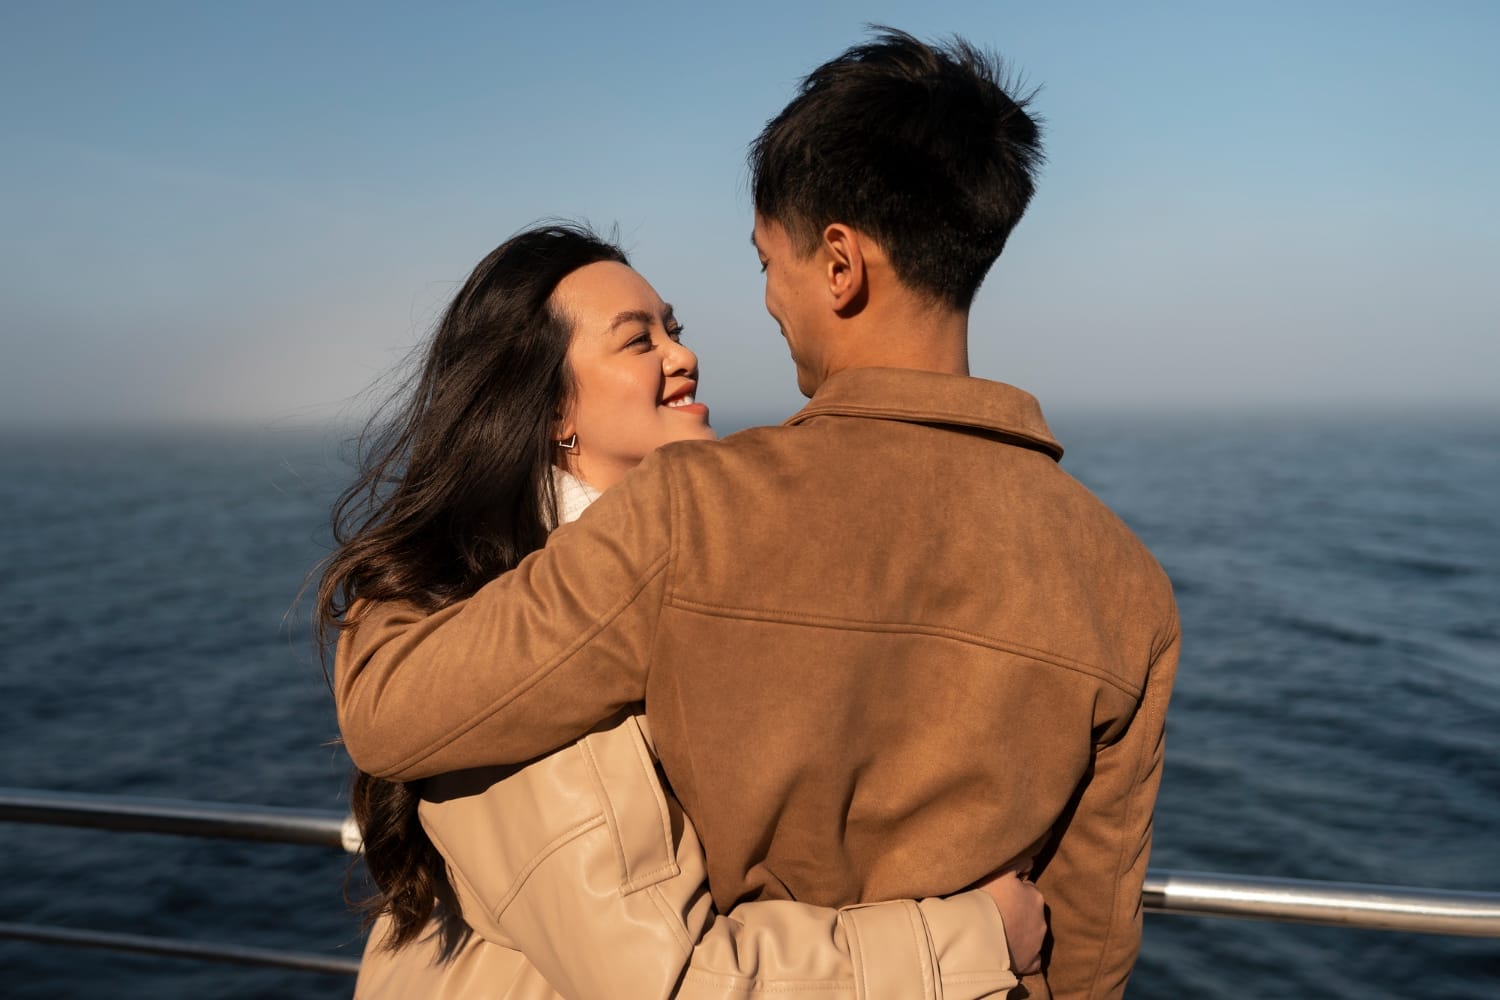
[676, 333]
[642, 340]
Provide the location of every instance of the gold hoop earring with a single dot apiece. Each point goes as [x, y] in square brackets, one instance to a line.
[571, 444]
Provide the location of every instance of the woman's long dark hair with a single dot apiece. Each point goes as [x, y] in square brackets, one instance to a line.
[454, 488]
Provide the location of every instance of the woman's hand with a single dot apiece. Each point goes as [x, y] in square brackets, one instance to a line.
[1025, 914]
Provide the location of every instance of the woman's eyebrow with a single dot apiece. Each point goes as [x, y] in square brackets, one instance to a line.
[642, 316]
[631, 316]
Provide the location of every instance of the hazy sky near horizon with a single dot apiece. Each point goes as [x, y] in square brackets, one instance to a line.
[248, 212]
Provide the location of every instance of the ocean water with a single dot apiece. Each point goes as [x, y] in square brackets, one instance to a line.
[1337, 713]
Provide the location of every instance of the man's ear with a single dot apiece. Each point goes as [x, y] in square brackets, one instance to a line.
[844, 259]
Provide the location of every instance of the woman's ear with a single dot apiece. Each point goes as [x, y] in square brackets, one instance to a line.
[565, 435]
[844, 257]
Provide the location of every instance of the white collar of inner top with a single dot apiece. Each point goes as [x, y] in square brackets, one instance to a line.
[573, 495]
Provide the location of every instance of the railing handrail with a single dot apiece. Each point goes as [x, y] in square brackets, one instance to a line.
[1328, 904]
[137, 814]
[1337, 904]
[206, 951]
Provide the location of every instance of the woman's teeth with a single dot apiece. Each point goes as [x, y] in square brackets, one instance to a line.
[680, 401]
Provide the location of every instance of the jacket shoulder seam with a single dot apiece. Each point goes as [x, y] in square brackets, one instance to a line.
[657, 566]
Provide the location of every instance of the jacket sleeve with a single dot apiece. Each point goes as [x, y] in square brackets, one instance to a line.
[1093, 882]
[528, 663]
[584, 864]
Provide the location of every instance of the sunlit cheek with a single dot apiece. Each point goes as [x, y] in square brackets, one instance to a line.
[597, 407]
[632, 396]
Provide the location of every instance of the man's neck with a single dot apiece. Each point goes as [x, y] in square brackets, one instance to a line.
[920, 337]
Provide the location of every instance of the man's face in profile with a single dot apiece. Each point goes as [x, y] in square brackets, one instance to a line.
[792, 281]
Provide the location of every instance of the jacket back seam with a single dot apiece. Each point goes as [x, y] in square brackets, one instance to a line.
[907, 628]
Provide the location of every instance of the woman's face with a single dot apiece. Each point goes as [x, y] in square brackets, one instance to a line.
[634, 383]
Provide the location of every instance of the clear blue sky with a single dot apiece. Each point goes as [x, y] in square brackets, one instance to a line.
[232, 212]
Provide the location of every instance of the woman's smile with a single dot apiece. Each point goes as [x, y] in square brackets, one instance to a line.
[685, 400]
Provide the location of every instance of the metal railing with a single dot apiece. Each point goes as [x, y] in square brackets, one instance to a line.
[132, 814]
[1328, 904]
[1335, 904]
[143, 944]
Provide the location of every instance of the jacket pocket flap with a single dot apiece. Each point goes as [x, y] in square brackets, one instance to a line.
[635, 807]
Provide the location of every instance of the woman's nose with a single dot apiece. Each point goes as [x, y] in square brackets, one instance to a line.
[678, 359]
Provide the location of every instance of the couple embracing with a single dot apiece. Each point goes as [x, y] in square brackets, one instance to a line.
[826, 709]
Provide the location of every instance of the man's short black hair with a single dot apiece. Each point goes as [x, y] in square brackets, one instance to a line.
[919, 146]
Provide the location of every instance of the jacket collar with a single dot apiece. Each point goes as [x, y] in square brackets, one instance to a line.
[932, 398]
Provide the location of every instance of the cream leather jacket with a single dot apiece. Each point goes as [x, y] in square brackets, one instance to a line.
[582, 879]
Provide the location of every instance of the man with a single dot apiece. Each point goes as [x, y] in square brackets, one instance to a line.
[887, 648]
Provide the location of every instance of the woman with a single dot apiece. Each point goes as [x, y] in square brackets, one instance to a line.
[554, 371]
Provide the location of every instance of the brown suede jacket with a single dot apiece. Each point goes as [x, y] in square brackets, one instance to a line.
[885, 649]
